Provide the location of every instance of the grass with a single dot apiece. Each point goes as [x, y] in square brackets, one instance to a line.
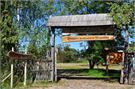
[93, 73]
[100, 73]
[82, 69]
[73, 69]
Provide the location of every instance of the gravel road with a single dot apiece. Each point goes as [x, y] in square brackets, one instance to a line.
[85, 84]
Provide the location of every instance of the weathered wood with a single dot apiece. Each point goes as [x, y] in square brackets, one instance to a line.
[122, 69]
[53, 54]
[80, 20]
[107, 65]
[56, 51]
[25, 73]
[86, 38]
[42, 70]
[12, 74]
[18, 56]
[90, 30]
[12, 71]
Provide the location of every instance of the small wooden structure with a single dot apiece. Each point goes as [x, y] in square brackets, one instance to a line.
[88, 27]
[99, 26]
[17, 56]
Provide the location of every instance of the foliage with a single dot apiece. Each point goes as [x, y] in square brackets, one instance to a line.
[123, 16]
[32, 19]
[84, 7]
[131, 47]
[8, 34]
[67, 54]
[94, 54]
[122, 13]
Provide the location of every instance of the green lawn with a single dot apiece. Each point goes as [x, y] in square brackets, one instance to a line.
[82, 69]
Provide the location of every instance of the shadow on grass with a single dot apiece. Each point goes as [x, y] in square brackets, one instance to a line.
[97, 74]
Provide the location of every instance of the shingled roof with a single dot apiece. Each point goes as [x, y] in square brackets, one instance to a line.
[80, 20]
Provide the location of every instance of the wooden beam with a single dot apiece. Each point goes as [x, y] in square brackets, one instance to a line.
[53, 55]
[90, 30]
[87, 38]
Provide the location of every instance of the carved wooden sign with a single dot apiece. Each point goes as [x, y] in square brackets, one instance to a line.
[18, 56]
[115, 57]
[86, 38]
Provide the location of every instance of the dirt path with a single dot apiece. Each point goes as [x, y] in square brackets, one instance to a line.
[85, 84]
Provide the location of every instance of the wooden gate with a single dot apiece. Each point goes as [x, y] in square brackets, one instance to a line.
[45, 69]
[42, 70]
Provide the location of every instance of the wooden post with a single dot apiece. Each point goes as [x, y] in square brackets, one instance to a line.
[25, 71]
[122, 70]
[53, 54]
[11, 82]
[56, 51]
[107, 70]
[12, 71]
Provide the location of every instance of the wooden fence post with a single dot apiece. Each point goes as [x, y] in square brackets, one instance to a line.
[56, 51]
[11, 82]
[12, 71]
[53, 54]
[25, 71]
[122, 70]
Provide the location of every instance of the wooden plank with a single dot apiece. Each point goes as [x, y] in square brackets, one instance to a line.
[90, 30]
[86, 38]
[80, 20]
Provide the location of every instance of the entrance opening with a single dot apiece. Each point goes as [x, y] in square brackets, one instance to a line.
[98, 30]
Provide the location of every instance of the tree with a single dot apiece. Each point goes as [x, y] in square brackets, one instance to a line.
[8, 33]
[94, 54]
[84, 7]
[123, 16]
[67, 54]
[131, 47]
[33, 16]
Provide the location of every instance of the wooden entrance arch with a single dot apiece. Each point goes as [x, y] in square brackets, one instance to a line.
[88, 27]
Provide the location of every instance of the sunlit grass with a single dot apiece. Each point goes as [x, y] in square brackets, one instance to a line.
[82, 69]
[93, 73]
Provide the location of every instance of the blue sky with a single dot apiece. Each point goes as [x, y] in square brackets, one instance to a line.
[76, 45]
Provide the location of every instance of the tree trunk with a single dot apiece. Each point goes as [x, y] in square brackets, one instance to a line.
[91, 64]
